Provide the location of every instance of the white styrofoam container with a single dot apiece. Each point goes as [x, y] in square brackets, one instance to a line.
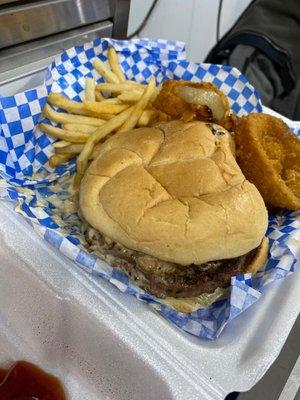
[106, 345]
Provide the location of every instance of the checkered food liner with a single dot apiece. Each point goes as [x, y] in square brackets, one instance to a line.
[41, 193]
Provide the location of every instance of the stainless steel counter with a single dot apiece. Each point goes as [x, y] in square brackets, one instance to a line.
[31, 20]
[31, 32]
[32, 58]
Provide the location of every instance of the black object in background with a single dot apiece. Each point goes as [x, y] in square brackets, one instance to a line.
[232, 396]
[264, 44]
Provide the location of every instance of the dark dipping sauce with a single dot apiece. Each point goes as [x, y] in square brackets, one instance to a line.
[26, 381]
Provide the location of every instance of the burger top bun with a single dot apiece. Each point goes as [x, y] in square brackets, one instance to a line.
[175, 192]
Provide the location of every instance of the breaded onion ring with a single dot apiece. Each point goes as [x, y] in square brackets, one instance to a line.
[205, 100]
[269, 156]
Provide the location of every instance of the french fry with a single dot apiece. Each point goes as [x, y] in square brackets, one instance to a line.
[147, 117]
[130, 96]
[72, 137]
[155, 93]
[134, 95]
[73, 107]
[104, 101]
[95, 151]
[115, 88]
[85, 124]
[79, 128]
[58, 159]
[60, 144]
[139, 107]
[89, 91]
[104, 107]
[106, 117]
[104, 71]
[98, 96]
[63, 118]
[111, 101]
[77, 148]
[114, 64]
[99, 134]
[71, 149]
[87, 108]
[76, 182]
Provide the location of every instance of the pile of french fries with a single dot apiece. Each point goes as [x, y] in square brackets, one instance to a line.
[116, 105]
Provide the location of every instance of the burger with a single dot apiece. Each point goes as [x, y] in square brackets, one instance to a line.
[169, 206]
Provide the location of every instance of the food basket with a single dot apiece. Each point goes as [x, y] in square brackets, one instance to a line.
[83, 327]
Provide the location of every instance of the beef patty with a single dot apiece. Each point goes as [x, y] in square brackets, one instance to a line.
[166, 279]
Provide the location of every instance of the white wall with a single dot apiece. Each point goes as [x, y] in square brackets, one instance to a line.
[191, 21]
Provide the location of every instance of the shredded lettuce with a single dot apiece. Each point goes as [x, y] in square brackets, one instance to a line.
[191, 304]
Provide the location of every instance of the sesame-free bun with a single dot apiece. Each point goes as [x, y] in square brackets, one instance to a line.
[174, 192]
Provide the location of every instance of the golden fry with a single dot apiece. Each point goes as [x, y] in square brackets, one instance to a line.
[73, 107]
[131, 96]
[95, 151]
[76, 149]
[106, 117]
[60, 144]
[84, 156]
[63, 118]
[155, 94]
[70, 149]
[58, 159]
[134, 95]
[115, 88]
[114, 64]
[76, 181]
[104, 71]
[147, 117]
[86, 123]
[105, 107]
[89, 91]
[112, 101]
[99, 134]
[78, 176]
[139, 107]
[98, 96]
[79, 128]
[72, 137]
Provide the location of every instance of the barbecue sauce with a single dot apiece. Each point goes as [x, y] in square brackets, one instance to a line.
[26, 381]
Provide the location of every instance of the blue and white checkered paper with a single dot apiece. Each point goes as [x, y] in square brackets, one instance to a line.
[25, 176]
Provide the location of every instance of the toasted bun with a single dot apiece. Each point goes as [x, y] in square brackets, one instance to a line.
[174, 192]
